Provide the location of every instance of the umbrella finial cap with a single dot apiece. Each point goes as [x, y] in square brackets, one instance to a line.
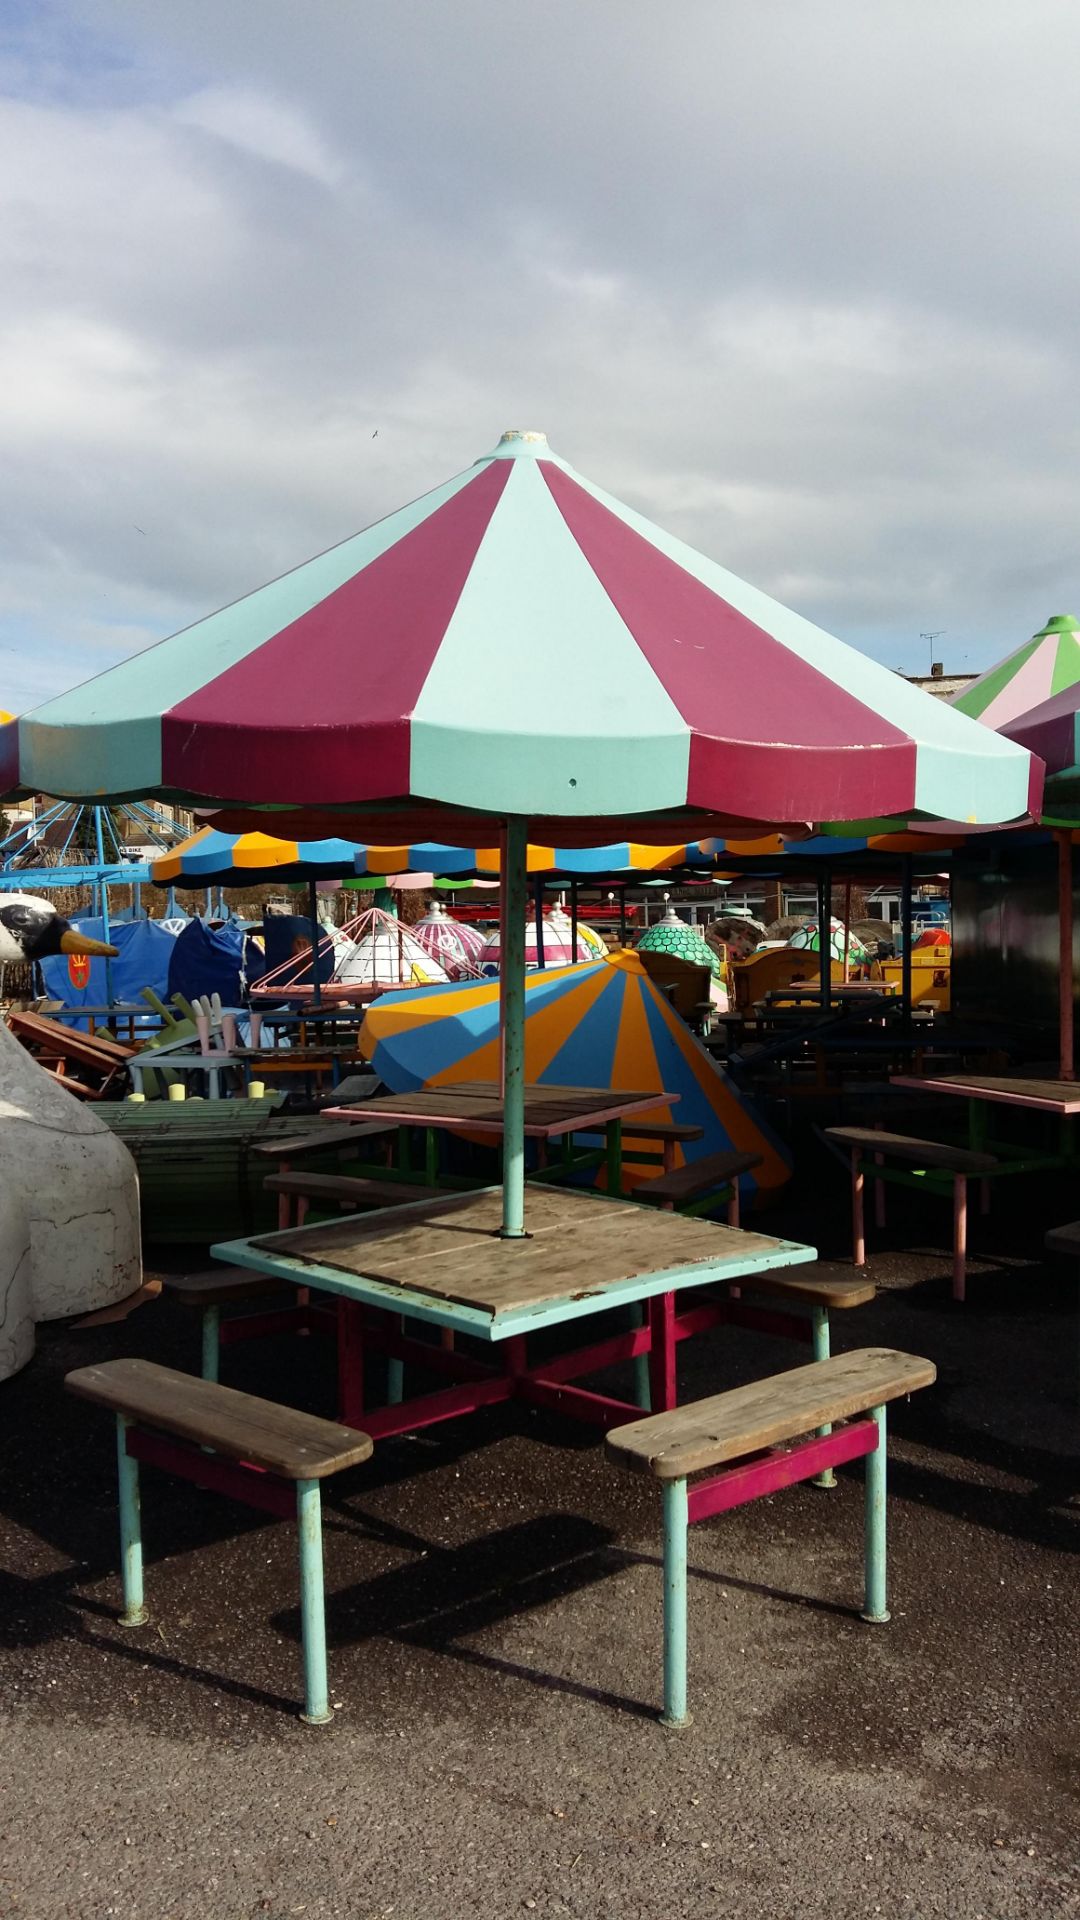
[1059, 623]
[521, 443]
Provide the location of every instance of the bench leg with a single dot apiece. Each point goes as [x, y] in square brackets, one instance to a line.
[211, 1343]
[874, 1607]
[676, 1522]
[131, 1563]
[733, 1205]
[858, 1224]
[959, 1270]
[819, 1324]
[312, 1604]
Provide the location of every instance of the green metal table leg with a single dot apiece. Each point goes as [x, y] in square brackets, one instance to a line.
[675, 1530]
[395, 1373]
[131, 1562]
[819, 1321]
[431, 1158]
[211, 1343]
[404, 1150]
[874, 1607]
[312, 1604]
[614, 1156]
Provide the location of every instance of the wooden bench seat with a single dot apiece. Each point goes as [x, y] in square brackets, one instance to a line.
[919, 1153]
[810, 1289]
[297, 1190]
[871, 1148]
[319, 1139]
[697, 1179]
[268, 1456]
[762, 1437]
[279, 1308]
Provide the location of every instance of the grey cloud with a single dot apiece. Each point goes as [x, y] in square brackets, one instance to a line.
[797, 281]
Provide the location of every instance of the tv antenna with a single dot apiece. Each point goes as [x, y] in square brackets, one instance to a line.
[930, 638]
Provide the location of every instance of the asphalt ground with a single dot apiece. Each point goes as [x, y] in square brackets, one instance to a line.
[494, 1622]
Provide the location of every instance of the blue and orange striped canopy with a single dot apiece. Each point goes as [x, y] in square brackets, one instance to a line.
[601, 1024]
[212, 858]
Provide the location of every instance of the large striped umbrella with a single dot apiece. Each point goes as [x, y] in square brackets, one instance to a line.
[1045, 665]
[602, 1024]
[517, 647]
[518, 643]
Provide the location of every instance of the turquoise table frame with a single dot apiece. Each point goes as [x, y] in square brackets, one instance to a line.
[374, 1314]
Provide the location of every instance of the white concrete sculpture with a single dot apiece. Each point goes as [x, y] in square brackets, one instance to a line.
[69, 1193]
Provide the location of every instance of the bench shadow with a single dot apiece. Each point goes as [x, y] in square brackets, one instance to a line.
[454, 1593]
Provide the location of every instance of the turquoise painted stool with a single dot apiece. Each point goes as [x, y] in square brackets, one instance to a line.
[762, 1436]
[266, 1455]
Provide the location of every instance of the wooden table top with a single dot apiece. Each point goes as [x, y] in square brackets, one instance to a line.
[477, 1106]
[1014, 1090]
[444, 1260]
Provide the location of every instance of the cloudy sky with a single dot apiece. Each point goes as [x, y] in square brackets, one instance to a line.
[797, 278]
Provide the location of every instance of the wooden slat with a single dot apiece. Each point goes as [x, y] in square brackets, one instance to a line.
[477, 1105]
[749, 1419]
[294, 1146]
[920, 1153]
[221, 1286]
[577, 1245]
[1051, 1096]
[697, 1177]
[345, 1187]
[813, 1290]
[1064, 1240]
[298, 1446]
[674, 1130]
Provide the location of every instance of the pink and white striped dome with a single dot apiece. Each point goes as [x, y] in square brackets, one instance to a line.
[455, 946]
[559, 949]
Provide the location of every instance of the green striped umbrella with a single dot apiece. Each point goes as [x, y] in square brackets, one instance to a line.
[1046, 664]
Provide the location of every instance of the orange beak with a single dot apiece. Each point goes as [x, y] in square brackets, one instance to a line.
[72, 942]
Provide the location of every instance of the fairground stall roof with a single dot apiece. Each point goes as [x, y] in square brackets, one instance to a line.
[519, 643]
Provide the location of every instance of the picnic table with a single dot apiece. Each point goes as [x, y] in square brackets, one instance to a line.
[982, 1091]
[442, 1263]
[476, 1106]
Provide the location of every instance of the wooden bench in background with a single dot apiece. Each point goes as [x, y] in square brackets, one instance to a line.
[268, 1456]
[706, 1181]
[927, 1163]
[762, 1438]
[343, 1139]
[344, 1191]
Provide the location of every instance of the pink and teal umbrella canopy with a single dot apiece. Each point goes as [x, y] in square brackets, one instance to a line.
[520, 643]
[1044, 666]
[1052, 730]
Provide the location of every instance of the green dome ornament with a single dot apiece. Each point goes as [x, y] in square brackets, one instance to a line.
[807, 938]
[675, 936]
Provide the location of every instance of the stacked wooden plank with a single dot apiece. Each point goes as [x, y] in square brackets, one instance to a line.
[88, 1065]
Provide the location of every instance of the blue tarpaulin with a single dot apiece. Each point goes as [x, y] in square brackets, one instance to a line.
[206, 959]
[146, 950]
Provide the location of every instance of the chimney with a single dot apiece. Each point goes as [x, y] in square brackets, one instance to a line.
[937, 671]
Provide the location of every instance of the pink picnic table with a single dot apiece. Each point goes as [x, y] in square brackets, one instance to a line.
[476, 1106]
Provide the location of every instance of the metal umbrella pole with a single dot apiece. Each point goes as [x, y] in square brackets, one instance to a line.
[1065, 955]
[514, 889]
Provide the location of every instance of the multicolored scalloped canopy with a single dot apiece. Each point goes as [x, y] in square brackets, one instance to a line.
[519, 643]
